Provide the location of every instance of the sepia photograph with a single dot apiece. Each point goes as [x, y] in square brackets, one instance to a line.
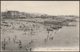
[39, 26]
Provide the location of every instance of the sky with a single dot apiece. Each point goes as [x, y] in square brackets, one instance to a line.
[43, 7]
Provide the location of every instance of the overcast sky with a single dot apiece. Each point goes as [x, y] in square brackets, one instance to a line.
[47, 7]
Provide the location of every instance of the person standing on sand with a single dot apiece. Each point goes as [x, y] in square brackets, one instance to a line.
[20, 44]
[29, 46]
[4, 44]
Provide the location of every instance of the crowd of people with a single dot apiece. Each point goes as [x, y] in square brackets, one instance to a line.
[25, 27]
